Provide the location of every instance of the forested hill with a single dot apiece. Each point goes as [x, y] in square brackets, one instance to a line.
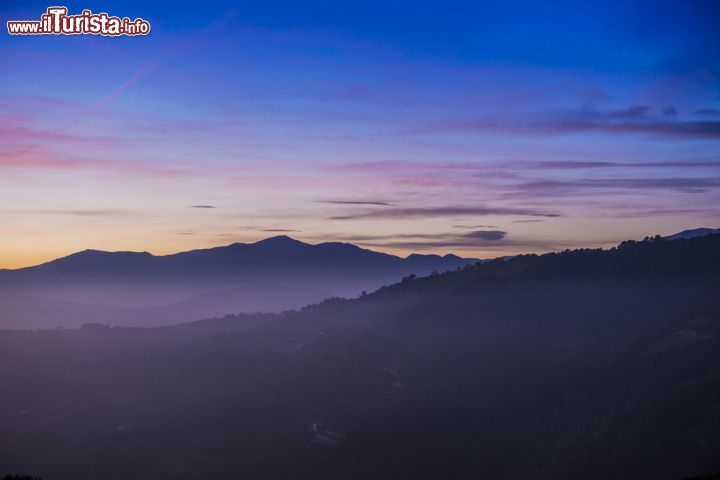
[654, 260]
[586, 364]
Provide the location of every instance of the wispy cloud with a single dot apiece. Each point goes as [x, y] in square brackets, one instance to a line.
[712, 112]
[639, 119]
[78, 212]
[57, 133]
[485, 235]
[501, 168]
[711, 212]
[561, 187]
[446, 211]
[474, 238]
[356, 202]
[470, 227]
[490, 240]
[202, 206]
[581, 165]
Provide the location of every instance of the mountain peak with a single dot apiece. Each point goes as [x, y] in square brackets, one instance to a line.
[280, 240]
[92, 251]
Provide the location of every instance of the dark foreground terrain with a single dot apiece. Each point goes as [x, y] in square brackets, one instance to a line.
[586, 364]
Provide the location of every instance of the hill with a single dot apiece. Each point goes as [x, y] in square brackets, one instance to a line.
[589, 364]
[695, 232]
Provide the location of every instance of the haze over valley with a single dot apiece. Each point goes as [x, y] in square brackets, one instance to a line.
[139, 289]
[577, 364]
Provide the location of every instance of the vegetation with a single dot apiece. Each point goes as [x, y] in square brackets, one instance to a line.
[583, 364]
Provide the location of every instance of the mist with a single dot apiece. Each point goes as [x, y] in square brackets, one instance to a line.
[573, 365]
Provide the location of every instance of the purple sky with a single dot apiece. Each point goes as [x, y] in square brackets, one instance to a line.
[481, 129]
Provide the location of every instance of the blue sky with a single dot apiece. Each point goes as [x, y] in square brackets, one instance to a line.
[481, 128]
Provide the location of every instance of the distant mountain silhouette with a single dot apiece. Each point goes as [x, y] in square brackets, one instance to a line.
[587, 364]
[696, 232]
[268, 275]
[277, 258]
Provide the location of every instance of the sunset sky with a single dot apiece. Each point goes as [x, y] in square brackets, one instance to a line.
[479, 128]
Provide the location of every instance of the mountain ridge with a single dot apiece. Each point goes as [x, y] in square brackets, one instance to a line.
[288, 241]
[539, 366]
[135, 279]
[692, 233]
[282, 241]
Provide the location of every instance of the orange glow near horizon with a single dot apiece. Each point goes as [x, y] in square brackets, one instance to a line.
[174, 141]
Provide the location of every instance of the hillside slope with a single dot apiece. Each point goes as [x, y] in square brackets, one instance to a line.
[585, 364]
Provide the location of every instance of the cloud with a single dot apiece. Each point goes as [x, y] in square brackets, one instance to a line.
[474, 226]
[40, 161]
[447, 211]
[488, 235]
[203, 206]
[704, 129]
[637, 112]
[57, 132]
[79, 212]
[638, 119]
[578, 165]
[279, 230]
[407, 165]
[713, 112]
[87, 212]
[475, 238]
[356, 202]
[485, 240]
[489, 168]
[557, 187]
[28, 138]
[642, 212]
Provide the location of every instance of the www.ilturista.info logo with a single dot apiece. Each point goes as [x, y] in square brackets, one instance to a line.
[56, 21]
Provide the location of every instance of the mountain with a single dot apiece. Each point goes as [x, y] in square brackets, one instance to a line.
[590, 364]
[277, 258]
[696, 232]
[269, 275]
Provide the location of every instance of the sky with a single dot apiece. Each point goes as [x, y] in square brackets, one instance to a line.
[478, 128]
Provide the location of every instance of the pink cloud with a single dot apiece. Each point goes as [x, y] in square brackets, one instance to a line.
[639, 119]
